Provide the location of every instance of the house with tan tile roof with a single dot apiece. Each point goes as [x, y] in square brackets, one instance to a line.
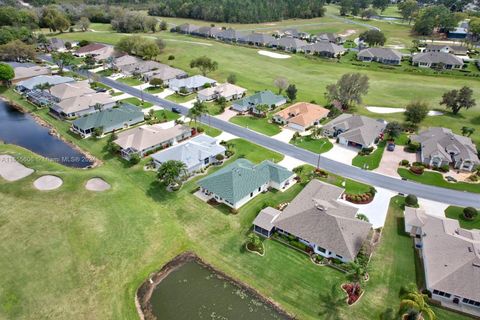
[226, 90]
[451, 259]
[26, 72]
[301, 115]
[150, 138]
[82, 105]
[318, 219]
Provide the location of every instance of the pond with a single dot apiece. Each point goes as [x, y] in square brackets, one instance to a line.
[193, 291]
[21, 129]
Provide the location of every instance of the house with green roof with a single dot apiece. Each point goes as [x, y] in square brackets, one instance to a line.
[260, 98]
[109, 120]
[241, 181]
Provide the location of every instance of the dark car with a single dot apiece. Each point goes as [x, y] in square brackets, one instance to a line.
[176, 110]
[99, 89]
[450, 179]
[391, 146]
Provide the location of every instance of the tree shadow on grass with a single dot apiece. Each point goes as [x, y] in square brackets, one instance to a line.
[158, 192]
[331, 303]
[475, 120]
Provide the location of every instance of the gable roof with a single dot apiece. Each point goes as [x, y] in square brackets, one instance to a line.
[68, 90]
[92, 47]
[148, 136]
[165, 73]
[142, 66]
[382, 53]
[290, 43]
[31, 83]
[191, 152]
[84, 102]
[327, 36]
[451, 48]
[224, 90]
[230, 34]
[22, 72]
[125, 113]
[316, 215]
[437, 57]
[451, 257]
[324, 46]
[187, 28]
[237, 180]
[303, 113]
[263, 97]
[258, 38]
[359, 129]
[207, 31]
[126, 59]
[442, 142]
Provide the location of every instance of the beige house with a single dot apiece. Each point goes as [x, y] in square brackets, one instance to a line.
[226, 90]
[451, 259]
[84, 104]
[301, 115]
[147, 139]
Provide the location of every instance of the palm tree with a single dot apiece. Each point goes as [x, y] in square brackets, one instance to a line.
[316, 132]
[43, 86]
[417, 302]
[171, 171]
[356, 273]
[193, 115]
[331, 303]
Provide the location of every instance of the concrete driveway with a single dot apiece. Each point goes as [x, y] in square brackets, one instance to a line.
[285, 135]
[391, 159]
[341, 153]
[227, 115]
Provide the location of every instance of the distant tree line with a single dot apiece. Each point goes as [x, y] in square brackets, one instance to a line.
[245, 11]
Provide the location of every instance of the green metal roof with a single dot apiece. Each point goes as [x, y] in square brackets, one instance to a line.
[115, 117]
[263, 97]
[239, 179]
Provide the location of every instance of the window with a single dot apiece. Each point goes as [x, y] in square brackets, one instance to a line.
[251, 194]
[206, 161]
[339, 257]
[259, 188]
[321, 249]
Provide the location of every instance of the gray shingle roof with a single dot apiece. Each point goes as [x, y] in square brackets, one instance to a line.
[266, 218]
[263, 97]
[230, 34]
[290, 43]
[260, 38]
[193, 82]
[442, 142]
[451, 257]
[382, 53]
[31, 83]
[324, 46]
[110, 118]
[317, 216]
[237, 180]
[437, 57]
[359, 129]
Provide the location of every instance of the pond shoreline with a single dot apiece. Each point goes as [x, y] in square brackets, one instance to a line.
[144, 292]
[95, 161]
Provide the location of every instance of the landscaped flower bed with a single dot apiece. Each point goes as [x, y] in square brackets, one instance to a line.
[416, 169]
[256, 249]
[359, 198]
[354, 292]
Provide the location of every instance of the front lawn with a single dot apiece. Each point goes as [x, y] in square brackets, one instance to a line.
[178, 98]
[153, 90]
[105, 72]
[166, 114]
[436, 179]
[137, 102]
[456, 213]
[315, 145]
[257, 124]
[130, 81]
[208, 130]
[371, 161]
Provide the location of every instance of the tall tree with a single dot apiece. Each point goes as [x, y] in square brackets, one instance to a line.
[291, 92]
[281, 84]
[408, 9]
[6, 73]
[393, 129]
[434, 17]
[17, 51]
[83, 24]
[204, 64]
[373, 37]
[416, 112]
[349, 89]
[380, 4]
[62, 60]
[458, 99]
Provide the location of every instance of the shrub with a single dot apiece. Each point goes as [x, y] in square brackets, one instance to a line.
[219, 157]
[83, 43]
[366, 151]
[134, 159]
[200, 130]
[470, 213]
[444, 168]
[171, 57]
[418, 170]
[413, 147]
[404, 163]
[411, 200]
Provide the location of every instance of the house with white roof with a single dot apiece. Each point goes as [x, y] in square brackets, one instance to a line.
[32, 83]
[191, 84]
[197, 153]
[225, 90]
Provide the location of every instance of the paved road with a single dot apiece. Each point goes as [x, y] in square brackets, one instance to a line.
[453, 197]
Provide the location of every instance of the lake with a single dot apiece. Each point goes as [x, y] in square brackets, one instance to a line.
[195, 292]
[21, 129]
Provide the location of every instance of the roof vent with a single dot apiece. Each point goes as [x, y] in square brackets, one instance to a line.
[476, 265]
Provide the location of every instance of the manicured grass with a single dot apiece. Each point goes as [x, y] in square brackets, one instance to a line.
[257, 124]
[153, 90]
[457, 213]
[315, 145]
[137, 102]
[117, 93]
[178, 98]
[211, 131]
[214, 108]
[99, 85]
[131, 81]
[371, 161]
[436, 179]
[167, 114]
[105, 73]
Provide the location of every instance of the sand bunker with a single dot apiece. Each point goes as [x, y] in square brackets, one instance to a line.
[48, 182]
[348, 33]
[11, 169]
[273, 54]
[386, 110]
[97, 184]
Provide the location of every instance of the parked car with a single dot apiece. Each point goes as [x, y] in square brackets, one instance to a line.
[175, 109]
[391, 146]
[450, 179]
